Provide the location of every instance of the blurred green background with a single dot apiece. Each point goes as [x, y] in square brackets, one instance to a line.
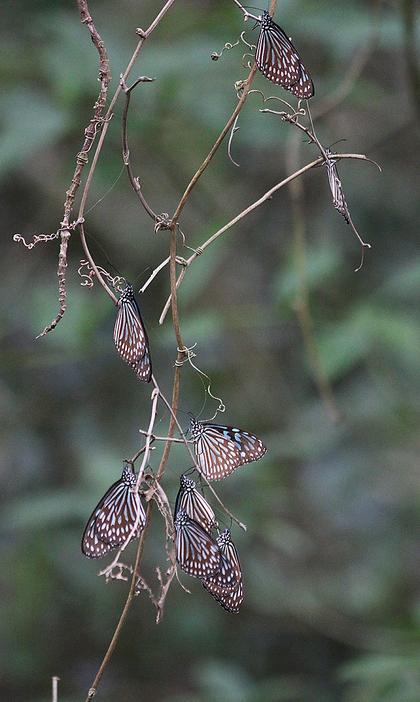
[331, 557]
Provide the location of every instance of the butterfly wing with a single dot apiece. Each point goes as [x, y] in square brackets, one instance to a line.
[231, 601]
[195, 505]
[130, 336]
[113, 519]
[196, 551]
[219, 449]
[217, 456]
[278, 60]
[336, 188]
[224, 581]
[229, 598]
[143, 367]
[275, 56]
[304, 88]
[92, 546]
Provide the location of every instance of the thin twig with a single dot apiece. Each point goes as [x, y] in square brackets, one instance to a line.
[81, 160]
[93, 264]
[134, 580]
[245, 212]
[245, 87]
[196, 466]
[162, 438]
[61, 272]
[135, 576]
[143, 35]
[55, 680]
[135, 182]
[140, 550]
[301, 303]
[154, 274]
[146, 451]
[356, 66]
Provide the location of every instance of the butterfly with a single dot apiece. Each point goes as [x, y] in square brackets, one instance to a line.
[224, 581]
[114, 517]
[219, 449]
[230, 598]
[304, 88]
[130, 336]
[336, 188]
[278, 60]
[197, 553]
[195, 505]
[143, 368]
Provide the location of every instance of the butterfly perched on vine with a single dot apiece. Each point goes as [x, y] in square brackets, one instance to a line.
[196, 551]
[198, 554]
[114, 517]
[336, 188]
[278, 60]
[229, 596]
[130, 335]
[195, 505]
[219, 449]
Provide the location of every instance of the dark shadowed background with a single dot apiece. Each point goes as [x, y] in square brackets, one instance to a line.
[331, 557]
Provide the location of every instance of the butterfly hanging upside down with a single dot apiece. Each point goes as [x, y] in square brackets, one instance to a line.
[219, 449]
[339, 201]
[216, 563]
[197, 553]
[130, 335]
[278, 60]
[229, 596]
[115, 517]
[195, 505]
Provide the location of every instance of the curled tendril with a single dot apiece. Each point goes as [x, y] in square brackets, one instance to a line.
[162, 222]
[234, 129]
[189, 355]
[215, 56]
[37, 238]
[117, 282]
[286, 116]
[251, 47]
[248, 62]
[182, 236]
[330, 161]
[88, 277]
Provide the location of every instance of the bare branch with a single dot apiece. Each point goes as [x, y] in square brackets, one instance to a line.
[81, 160]
[244, 213]
[135, 182]
[246, 86]
[62, 265]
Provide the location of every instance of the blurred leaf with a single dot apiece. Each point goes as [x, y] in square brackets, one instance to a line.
[30, 122]
[322, 264]
[45, 510]
[347, 344]
[222, 680]
[383, 678]
[289, 688]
